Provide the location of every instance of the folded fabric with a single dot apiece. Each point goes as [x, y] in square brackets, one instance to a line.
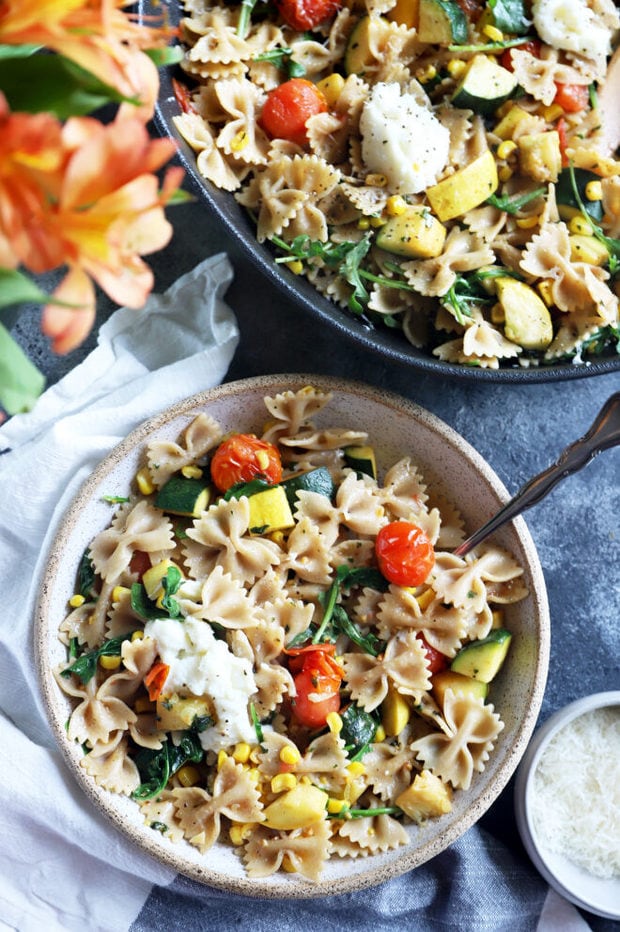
[61, 862]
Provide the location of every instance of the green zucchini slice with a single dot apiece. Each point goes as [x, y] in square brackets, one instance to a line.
[485, 86]
[483, 659]
[181, 496]
[314, 480]
[442, 22]
[568, 205]
[362, 459]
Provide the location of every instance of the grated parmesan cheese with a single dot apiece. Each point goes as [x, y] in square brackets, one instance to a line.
[576, 793]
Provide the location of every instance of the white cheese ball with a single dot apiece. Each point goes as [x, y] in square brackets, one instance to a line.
[571, 25]
[402, 140]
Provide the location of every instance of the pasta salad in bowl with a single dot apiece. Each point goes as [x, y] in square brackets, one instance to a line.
[261, 657]
[441, 172]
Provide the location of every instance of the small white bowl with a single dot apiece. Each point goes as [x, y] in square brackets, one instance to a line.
[597, 895]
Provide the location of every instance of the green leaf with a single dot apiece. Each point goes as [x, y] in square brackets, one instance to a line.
[281, 58]
[351, 576]
[86, 576]
[85, 666]
[239, 489]
[21, 383]
[512, 205]
[17, 288]
[17, 51]
[162, 57]
[509, 16]
[55, 84]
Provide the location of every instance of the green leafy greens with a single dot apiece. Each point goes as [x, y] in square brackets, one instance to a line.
[85, 666]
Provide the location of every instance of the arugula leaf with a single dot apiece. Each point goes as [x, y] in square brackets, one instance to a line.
[351, 576]
[86, 576]
[258, 728]
[157, 766]
[469, 289]
[281, 57]
[170, 584]
[369, 643]
[351, 272]
[509, 16]
[85, 666]
[346, 813]
[149, 610]
[511, 205]
[613, 245]
[115, 499]
[246, 488]
[358, 729]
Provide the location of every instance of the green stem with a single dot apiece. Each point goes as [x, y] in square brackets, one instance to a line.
[329, 611]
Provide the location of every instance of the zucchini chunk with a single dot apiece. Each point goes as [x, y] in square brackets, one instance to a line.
[527, 320]
[485, 86]
[465, 189]
[482, 660]
[415, 234]
[181, 496]
[358, 53]
[448, 679]
[313, 480]
[441, 22]
[362, 459]
[568, 205]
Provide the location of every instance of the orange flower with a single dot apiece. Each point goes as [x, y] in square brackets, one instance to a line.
[83, 195]
[96, 34]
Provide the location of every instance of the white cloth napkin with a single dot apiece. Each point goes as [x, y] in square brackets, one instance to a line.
[62, 866]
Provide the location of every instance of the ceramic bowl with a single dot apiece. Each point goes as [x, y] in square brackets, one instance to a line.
[388, 344]
[595, 894]
[396, 427]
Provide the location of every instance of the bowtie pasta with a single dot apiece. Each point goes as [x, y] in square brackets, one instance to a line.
[261, 662]
[448, 172]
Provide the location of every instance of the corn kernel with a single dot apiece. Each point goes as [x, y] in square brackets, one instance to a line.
[527, 223]
[222, 757]
[296, 266]
[289, 754]
[498, 315]
[376, 180]
[282, 782]
[192, 472]
[505, 173]
[545, 290]
[380, 733]
[356, 768]
[262, 458]
[76, 600]
[426, 74]
[378, 221]
[137, 635]
[335, 806]
[506, 148]
[240, 832]
[580, 226]
[594, 191]
[277, 537]
[331, 87]
[363, 223]
[334, 723]
[287, 865]
[118, 592]
[425, 598]
[552, 112]
[456, 67]
[144, 482]
[396, 205]
[143, 704]
[239, 141]
[254, 774]
[493, 33]
[255, 754]
[305, 780]
[110, 662]
[242, 752]
[188, 775]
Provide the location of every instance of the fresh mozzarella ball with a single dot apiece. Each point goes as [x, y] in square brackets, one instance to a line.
[572, 25]
[402, 140]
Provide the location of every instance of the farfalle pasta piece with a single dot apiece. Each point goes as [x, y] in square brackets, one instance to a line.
[95, 719]
[199, 813]
[210, 162]
[404, 490]
[166, 457]
[403, 665]
[160, 814]
[136, 526]
[388, 769]
[307, 553]
[359, 506]
[325, 762]
[463, 581]
[218, 538]
[222, 599]
[474, 728]
[291, 410]
[463, 252]
[113, 770]
[137, 659]
[305, 849]
[370, 834]
[241, 138]
[318, 509]
[78, 625]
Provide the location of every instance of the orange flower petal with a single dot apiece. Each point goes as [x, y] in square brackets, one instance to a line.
[69, 327]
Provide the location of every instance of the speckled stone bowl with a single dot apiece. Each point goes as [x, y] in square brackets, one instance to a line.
[396, 427]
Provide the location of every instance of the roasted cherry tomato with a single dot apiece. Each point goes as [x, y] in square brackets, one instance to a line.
[302, 15]
[288, 107]
[472, 9]
[404, 553]
[436, 660]
[563, 137]
[317, 683]
[532, 46]
[243, 457]
[139, 563]
[182, 95]
[572, 98]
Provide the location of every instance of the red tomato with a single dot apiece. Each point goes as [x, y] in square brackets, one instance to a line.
[532, 46]
[318, 686]
[561, 131]
[471, 8]
[139, 563]
[155, 679]
[288, 107]
[404, 553]
[243, 457]
[572, 97]
[306, 14]
[436, 660]
[181, 93]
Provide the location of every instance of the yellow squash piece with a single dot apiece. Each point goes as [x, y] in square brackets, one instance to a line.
[527, 320]
[297, 808]
[465, 189]
[416, 234]
[426, 798]
[540, 156]
[177, 713]
[458, 683]
[152, 579]
[395, 713]
[270, 511]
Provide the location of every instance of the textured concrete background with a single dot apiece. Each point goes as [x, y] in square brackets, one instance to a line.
[519, 430]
